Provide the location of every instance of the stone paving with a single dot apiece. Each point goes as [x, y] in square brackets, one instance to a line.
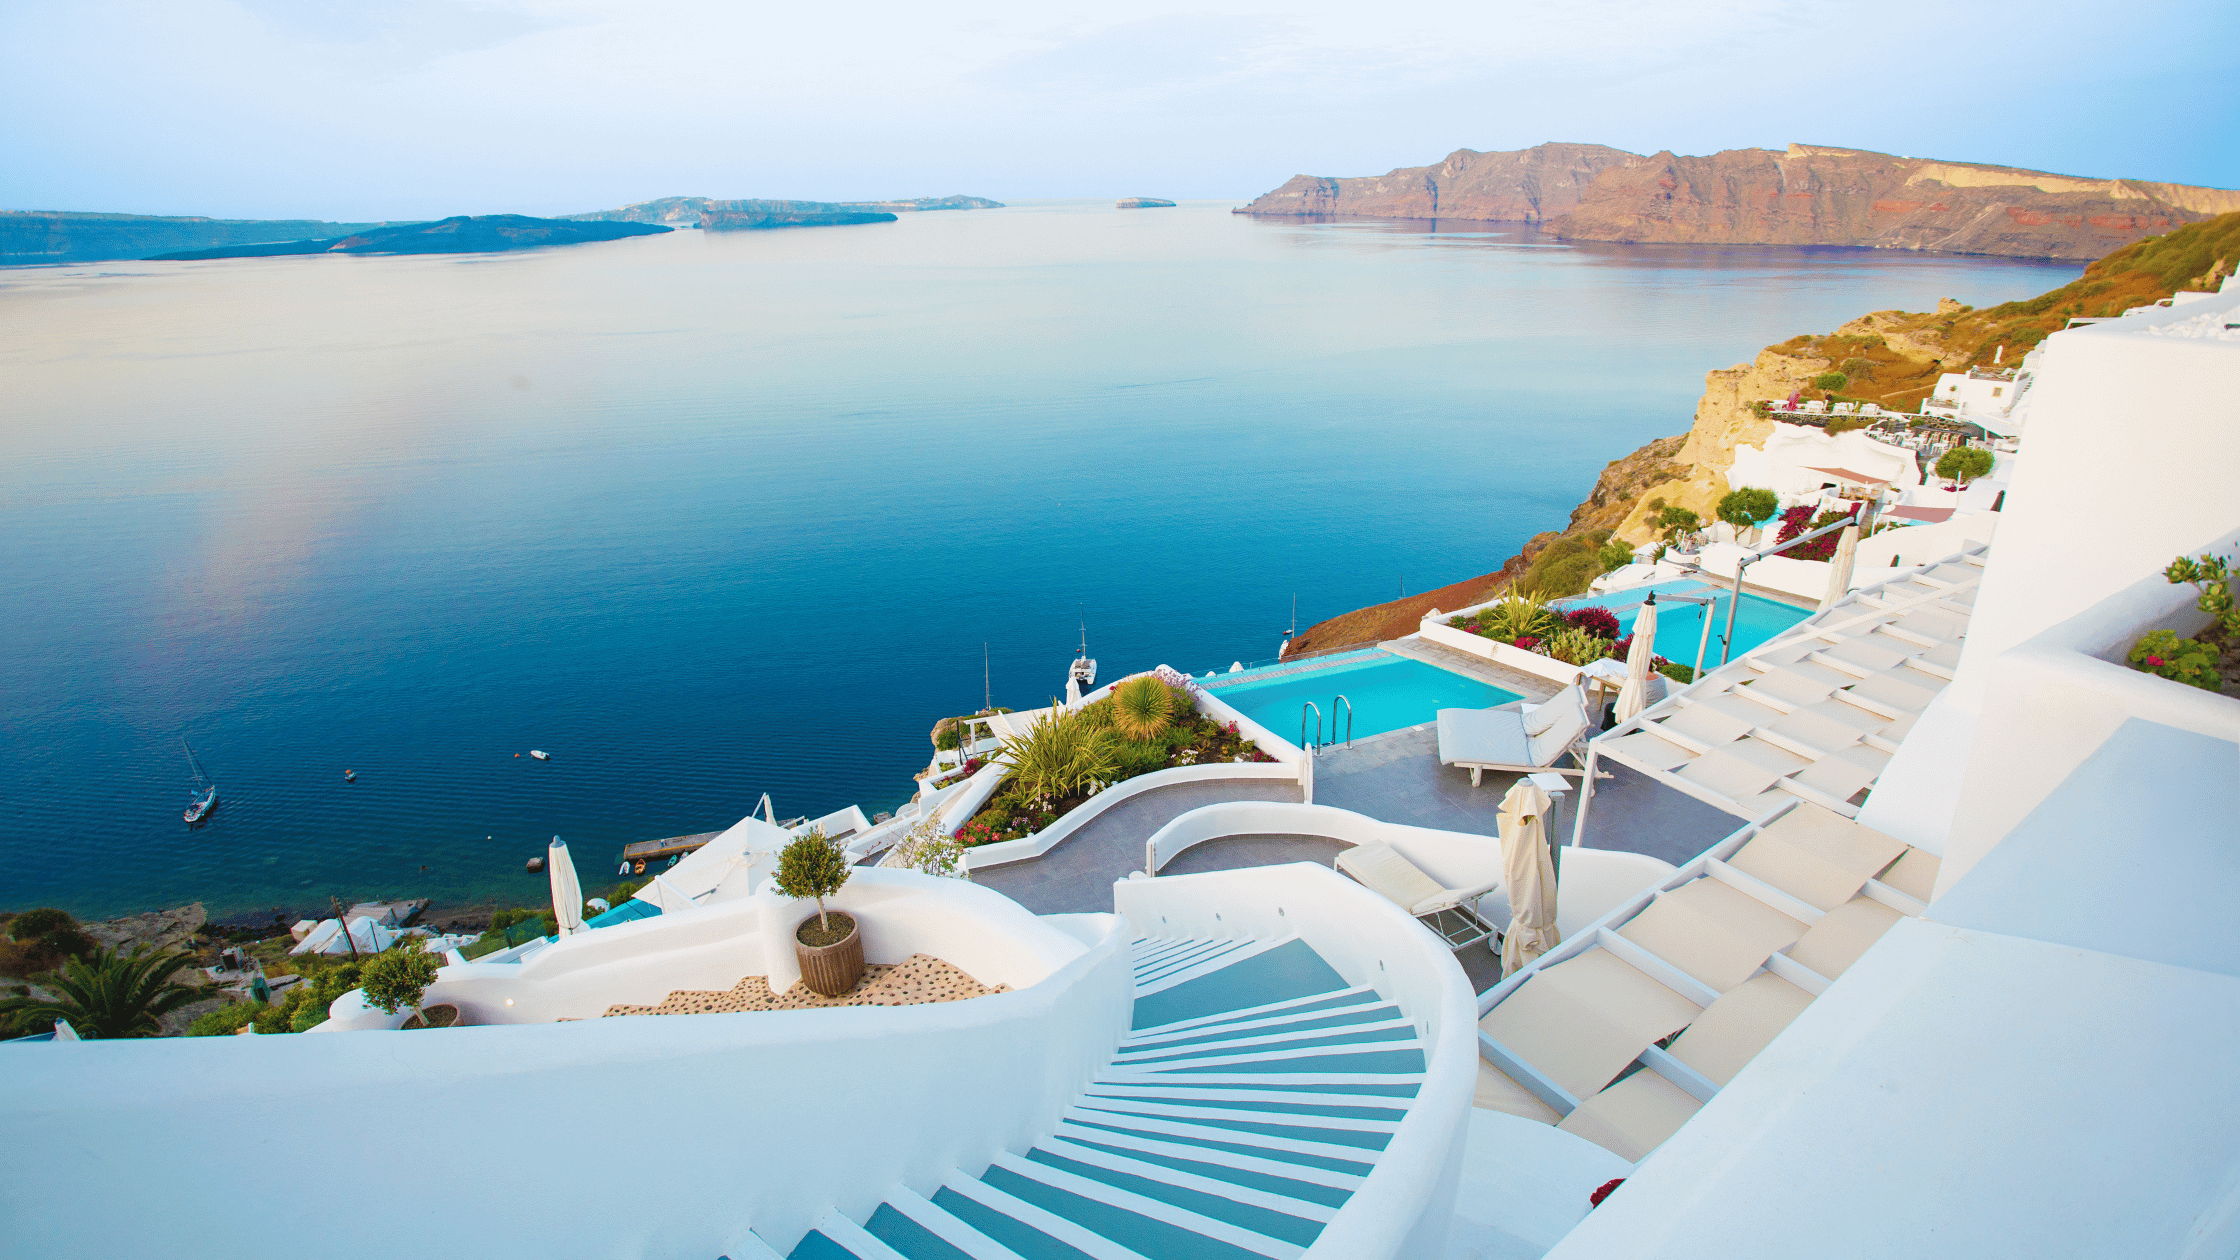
[919, 979]
[1531, 686]
[1077, 876]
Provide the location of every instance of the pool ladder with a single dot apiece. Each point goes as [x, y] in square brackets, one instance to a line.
[1316, 746]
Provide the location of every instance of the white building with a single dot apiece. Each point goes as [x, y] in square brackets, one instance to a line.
[1977, 997]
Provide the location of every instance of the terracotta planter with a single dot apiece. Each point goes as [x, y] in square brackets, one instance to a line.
[441, 1015]
[830, 969]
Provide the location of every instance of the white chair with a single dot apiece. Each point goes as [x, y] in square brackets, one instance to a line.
[1451, 912]
[1509, 740]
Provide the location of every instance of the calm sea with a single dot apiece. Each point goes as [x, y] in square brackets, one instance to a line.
[711, 515]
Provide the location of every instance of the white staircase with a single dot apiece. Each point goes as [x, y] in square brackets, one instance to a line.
[1254, 1093]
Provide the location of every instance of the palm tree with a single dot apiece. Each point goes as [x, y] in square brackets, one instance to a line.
[111, 995]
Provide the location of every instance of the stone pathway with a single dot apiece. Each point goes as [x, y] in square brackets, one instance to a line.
[1077, 876]
[920, 979]
[1531, 686]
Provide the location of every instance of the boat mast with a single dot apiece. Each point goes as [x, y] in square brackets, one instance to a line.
[193, 764]
[987, 689]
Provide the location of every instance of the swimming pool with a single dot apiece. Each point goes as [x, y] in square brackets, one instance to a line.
[1387, 693]
[1680, 626]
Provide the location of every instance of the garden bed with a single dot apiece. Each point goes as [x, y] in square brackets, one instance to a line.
[1149, 723]
[1579, 636]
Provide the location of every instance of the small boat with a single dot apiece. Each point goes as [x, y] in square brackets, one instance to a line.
[1084, 669]
[540, 754]
[204, 793]
[349, 776]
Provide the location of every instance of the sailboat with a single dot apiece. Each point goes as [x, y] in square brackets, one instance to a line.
[205, 792]
[1084, 671]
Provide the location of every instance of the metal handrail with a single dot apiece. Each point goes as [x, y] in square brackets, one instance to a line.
[1304, 746]
[1334, 703]
[1726, 647]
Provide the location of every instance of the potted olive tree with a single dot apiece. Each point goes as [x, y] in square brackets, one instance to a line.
[828, 946]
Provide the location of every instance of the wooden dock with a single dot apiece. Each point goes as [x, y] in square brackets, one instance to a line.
[648, 851]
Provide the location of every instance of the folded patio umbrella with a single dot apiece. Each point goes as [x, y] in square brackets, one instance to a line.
[567, 894]
[1634, 696]
[1529, 871]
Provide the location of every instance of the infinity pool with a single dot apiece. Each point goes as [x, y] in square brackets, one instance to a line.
[1387, 693]
[1680, 626]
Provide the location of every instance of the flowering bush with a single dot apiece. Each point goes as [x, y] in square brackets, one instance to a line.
[1599, 622]
[1529, 642]
[978, 833]
[2189, 661]
[1795, 522]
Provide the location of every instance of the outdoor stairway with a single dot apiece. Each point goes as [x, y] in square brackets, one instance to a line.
[1253, 1094]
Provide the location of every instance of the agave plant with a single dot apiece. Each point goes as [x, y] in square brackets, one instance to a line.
[1060, 756]
[110, 995]
[1575, 646]
[1142, 707]
[1516, 616]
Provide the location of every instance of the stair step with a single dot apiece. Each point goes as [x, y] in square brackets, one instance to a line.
[1364, 1087]
[1183, 968]
[1309, 1063]
[1294, 1104]
[1148, 1227]
[1252, 1206]
[836, 1236]
[1330, 1156]
[1287, 971]
[1028, 1230]
[1267, 1010]
[1233, 1163]
[1355, 1134]
[1399, 1030]
[1318, 1022]
[913, 1226]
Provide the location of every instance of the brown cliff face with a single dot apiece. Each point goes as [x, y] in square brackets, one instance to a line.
[1820, 196]
[1808, 195]
[1523, 185]
[1891, 357]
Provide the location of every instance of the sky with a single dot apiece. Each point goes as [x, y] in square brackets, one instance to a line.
[403, 109]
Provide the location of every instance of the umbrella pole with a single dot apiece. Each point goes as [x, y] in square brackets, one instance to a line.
[1586, 794]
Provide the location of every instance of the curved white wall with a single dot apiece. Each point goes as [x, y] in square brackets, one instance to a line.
[1590, 881]
[982, 932]
[661, 1136]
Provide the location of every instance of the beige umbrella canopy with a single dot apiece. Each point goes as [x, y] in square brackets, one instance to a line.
[1529, 871]
[567, 894]
[1634, 696]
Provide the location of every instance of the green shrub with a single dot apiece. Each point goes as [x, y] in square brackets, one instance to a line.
[946, 738]
[1574, 646]
[1062, 756]
[1830, 381]
[2188, 661]
[1747, 506]
[225, 1021]
[1614, 556]
[1964, 463]
[2212, 576]
[1675, 671]
[1858, 367]
[1676, 523]
[1565, 566]
[1133, 757]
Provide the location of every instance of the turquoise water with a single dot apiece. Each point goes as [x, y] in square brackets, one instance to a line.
[706, 515]
[1680, 626]
[1387, 693]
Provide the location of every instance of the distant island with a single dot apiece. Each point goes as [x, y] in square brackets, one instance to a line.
[459, 234]
[1141, 203]
[768, 213]
[36, 237]
[1806, 195]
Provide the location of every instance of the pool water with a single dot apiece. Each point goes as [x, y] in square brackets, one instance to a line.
[1680, 626]
[1387, 693]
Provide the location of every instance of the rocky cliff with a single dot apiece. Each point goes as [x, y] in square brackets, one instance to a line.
[1806, 195]
[1525, 185]
[1812, 195]
[29, 237]
[1888, 357]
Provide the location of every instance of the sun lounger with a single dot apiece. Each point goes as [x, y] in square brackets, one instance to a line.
[1451, 912]
[1479, 740]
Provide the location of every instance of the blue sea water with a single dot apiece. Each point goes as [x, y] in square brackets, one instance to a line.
[712, 514]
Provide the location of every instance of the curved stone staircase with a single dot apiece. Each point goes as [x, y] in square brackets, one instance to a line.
[1254, 1093]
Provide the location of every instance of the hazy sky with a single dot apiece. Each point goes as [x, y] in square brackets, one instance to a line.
[370, 109]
